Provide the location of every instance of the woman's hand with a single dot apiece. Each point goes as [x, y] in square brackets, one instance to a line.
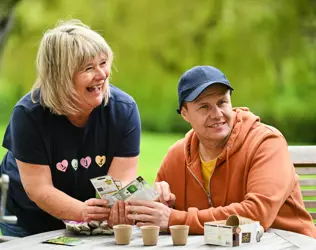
[166, 197]
[118, 214]
[95, 209]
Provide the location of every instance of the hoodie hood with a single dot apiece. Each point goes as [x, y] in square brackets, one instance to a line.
[243, 124]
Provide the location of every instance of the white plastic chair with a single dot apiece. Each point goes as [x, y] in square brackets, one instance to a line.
[4, 186]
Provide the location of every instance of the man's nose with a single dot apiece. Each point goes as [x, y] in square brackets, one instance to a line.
[215, 113]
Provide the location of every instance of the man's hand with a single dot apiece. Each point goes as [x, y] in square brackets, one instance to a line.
[95, 209]
[166, 197]
[149, 213]
[118, 214]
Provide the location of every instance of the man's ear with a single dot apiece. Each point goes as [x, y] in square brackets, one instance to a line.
[184, 114]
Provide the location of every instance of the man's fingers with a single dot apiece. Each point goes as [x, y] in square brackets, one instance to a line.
[166, 191]
[141, 217]
[157, 187]
[173, 197]
[142, 203]
[162, 200]
[163, 189]
[140, 209]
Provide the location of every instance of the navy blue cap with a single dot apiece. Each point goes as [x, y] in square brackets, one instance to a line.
[194, 81]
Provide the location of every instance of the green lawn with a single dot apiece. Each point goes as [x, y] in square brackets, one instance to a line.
[153, 148]
[2, 150]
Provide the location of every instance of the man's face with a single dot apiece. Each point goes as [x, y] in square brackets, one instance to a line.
[211, 115]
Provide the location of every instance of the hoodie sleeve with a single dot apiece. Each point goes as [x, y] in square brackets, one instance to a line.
[270, 181]
[160, 175]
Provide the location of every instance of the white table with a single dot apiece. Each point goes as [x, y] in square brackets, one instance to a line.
[273, 239]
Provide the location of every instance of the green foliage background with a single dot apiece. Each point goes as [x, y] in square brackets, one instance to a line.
[266, 48]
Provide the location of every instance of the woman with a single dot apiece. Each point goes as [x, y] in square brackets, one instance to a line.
[72, 126]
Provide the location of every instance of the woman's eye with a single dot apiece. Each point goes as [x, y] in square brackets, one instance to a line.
[88, 68]
[103, 63]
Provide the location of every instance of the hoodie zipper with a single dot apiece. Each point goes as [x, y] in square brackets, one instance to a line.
[207, 194]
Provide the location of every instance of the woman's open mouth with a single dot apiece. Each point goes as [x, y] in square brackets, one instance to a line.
[95, 89]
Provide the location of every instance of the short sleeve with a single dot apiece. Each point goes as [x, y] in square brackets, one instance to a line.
[130, 143]
[23, 139]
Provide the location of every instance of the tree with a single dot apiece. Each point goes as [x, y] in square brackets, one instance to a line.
[266, 48]
[6, 16]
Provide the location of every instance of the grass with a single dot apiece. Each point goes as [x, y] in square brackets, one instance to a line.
[2, 150]
[152, 150]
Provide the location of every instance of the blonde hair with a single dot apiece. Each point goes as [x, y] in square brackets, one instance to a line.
[63, 51]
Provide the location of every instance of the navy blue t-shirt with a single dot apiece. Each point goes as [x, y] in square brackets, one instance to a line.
[74, 155]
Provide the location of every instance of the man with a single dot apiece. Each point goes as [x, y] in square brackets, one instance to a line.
[229, 163]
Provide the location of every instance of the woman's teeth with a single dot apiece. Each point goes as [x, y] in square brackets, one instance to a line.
[94, 88]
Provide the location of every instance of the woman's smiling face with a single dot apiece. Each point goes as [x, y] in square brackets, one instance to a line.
[91, 82]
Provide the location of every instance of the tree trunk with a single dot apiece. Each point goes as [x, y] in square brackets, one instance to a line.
[6, 16]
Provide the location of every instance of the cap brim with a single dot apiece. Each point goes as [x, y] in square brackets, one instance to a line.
[195, 93]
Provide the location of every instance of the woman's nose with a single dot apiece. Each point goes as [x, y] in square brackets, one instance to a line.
[100, 73]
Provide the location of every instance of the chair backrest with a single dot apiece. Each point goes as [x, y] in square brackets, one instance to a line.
[304, 160]
[4, 186]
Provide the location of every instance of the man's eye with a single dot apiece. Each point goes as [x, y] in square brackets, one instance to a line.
[203, 107]
[222, 101]
[103, 63]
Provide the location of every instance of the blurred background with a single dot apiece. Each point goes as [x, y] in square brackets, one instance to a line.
[267, 49]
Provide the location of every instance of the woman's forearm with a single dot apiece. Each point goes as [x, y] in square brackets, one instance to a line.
[58, 204]
[124, 169]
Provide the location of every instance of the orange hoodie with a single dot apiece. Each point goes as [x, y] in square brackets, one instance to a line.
[254, 177]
